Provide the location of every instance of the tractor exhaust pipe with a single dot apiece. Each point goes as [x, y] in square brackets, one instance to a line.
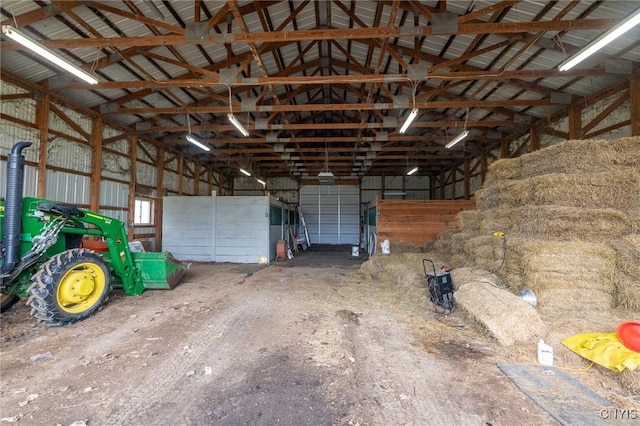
[13, 207]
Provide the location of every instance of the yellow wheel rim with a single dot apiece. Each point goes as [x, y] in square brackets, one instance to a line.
[81, 287]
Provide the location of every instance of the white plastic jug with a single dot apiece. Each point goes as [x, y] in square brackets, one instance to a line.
[545, 353]
[386, 247]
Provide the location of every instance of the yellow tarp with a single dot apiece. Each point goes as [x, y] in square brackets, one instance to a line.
[604, 349]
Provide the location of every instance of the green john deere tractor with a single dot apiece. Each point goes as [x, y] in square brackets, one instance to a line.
[42, 256]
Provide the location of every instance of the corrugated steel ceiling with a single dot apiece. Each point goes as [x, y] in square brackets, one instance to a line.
[349, 60]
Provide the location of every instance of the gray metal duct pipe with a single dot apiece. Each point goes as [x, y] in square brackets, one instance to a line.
[13, 206]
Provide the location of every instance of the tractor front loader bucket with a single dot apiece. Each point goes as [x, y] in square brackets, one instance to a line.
[159, 270]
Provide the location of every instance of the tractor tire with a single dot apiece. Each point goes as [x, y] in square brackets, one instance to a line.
[7, 301]
[69, 287]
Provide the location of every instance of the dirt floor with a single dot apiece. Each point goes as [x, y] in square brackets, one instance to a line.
[301, 342]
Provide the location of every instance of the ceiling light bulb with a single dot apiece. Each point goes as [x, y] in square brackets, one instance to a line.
[457, 139]
[261, 181]
[412, 171]
[244, 172]
[232, 118]
[412, 116]
[47, 54]
[192, 139]
[601, 41]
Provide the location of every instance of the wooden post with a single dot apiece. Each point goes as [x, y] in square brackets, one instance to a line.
[534, 138]
[432, 187]
[454, 178]
[443, 180]
[634, 92]
[133, 153]
[504, 149]
[180, 173]
[42, 121]
[96, 164]
[196, 176]
[210, 182]
[483, 165]
[157, 214]
[467, 179]
[575, 123]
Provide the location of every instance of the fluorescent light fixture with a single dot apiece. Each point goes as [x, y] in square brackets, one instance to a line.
[412, 171]
[600, 42]
[412, 116]
[261, 181]
[232, 118]
[192, 139]
[47, 54]
[457, 139]
[244, 172]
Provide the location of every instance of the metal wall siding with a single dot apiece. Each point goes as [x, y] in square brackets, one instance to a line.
[115, 166]
[114, 194]
[188, 227]
[116, 214]
[10, 133]
[620, 114]
[67, 188]
[393, 183]
[23, 109]
[288, 196]
[332, 213]
[241, 229]
[122, 146]
[57, 123]
[30, 180]
[368, 196]
[146, 174]
[371, 182]
[170, 181]
[420, 183]
[187, 186]
[69, 155]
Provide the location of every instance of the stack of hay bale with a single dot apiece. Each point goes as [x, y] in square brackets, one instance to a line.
[570, 214]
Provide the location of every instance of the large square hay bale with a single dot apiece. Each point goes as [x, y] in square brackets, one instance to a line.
[502, 314]
[555, 222]
[627, 275]
[617, 189]
[574, 156]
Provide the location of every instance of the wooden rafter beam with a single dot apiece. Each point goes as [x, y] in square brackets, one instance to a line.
[335, 126]
[328, 34]
[336, 107]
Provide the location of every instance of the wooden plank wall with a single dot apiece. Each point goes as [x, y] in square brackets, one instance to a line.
[417, 221]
